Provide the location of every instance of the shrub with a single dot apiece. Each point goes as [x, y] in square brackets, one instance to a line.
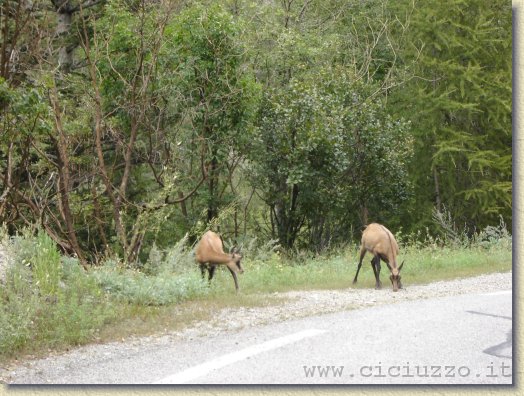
[135, 287]
[46, 299]
[178, 259]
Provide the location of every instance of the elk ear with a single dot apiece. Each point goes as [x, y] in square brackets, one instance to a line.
[236, 257]
[399, 268]
[389, 266]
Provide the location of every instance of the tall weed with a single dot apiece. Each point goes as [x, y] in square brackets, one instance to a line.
[47, 299]
[134, 287]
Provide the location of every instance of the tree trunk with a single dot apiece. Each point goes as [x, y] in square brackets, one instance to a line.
[100, 167]
[64, 17]
[183, 207]
[97, 212]
[437, 188]
[212, 211]
[63, 28]
[64, 180]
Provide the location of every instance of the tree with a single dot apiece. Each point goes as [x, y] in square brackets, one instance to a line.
[38, 164]
[130, 97]
[326, 156]
[219, 95]
[460, 106]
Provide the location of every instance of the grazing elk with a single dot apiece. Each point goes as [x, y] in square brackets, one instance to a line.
[210, 253]
[381, 243]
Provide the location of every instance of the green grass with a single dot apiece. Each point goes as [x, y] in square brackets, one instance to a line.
[48, 301]
[421, 266]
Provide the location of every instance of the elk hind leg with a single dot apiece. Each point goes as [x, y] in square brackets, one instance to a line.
[375, 263]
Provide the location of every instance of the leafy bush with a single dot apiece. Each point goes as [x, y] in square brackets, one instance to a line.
[254, 249]
[135, 287]
[47, 299]
[492, 236]
[40, 254]
[179, 259]
[16, 319]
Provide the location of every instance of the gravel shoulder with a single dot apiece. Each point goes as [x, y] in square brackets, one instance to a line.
[291, 305]
[314, 302]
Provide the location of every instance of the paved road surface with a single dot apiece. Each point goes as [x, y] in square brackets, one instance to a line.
[454, 340]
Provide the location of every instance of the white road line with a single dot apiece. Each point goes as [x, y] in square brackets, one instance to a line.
[225, 360]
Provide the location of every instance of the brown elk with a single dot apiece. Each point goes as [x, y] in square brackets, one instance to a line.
[381, 243]
[210, 252]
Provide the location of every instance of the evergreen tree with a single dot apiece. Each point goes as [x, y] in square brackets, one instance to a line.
[460, 105]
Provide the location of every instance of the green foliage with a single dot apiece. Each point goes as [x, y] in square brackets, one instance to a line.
[46, 300]
[25, 122]
[87, 302]
[220, 96]
[16, 325]
[296, 121]
[425, 262]
[176, 260]
[42, 257]
[461, 108]
[325, 139]
[134, 287]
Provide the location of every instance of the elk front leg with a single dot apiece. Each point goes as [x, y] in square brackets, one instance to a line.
[234, 278]
[211, 271]
[203, 270]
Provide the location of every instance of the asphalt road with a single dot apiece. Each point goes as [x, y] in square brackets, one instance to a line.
[464, 339]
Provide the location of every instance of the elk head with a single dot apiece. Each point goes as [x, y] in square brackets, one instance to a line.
[235, 258]
[395, 277]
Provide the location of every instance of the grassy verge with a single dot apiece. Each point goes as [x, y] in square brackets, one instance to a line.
[274, 274]
[421, 266]
[48, 302]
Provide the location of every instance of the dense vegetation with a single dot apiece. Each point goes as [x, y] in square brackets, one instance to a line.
[49, 301]
[127, 124]
[129, 127]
